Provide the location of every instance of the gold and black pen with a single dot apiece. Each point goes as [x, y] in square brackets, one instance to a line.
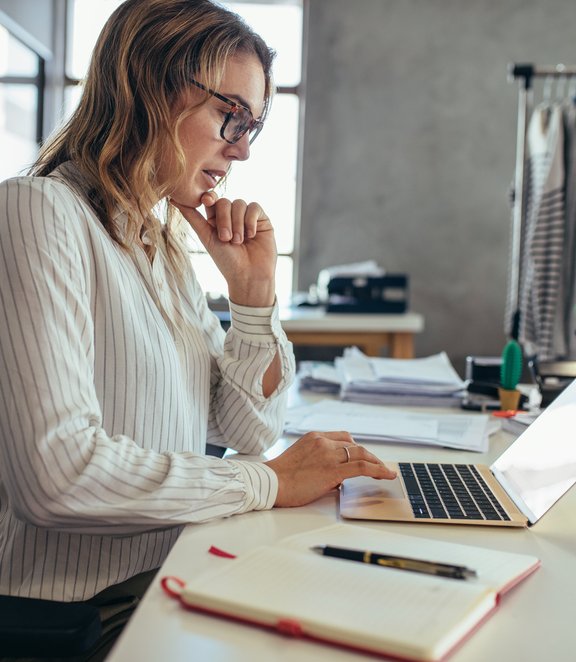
[398, 562]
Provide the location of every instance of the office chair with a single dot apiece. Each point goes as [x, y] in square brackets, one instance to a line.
[46, 628]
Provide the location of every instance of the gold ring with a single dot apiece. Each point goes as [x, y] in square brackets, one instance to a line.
[347, 453]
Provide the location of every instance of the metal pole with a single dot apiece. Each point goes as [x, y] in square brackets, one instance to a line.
[524, 101]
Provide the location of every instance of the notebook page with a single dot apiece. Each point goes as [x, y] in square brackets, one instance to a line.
[402, 613]
[495, 569]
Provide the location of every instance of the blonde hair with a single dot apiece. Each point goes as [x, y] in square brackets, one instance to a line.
[143, 61]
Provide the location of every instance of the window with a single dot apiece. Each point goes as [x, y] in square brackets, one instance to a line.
[21, 89]
[270, 175]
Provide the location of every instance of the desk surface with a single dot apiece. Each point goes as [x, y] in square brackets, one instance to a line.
[370, 332]
[316, 319]
[534, 622]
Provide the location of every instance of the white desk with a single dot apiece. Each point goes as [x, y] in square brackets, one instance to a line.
[534, 623]
[369, 332]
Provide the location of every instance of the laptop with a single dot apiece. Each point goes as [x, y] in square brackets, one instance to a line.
[536, 470]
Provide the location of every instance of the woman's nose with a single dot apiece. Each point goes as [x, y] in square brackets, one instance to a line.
[239, 151]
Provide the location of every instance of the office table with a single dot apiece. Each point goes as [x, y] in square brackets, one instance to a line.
[533, 623]
[370, 332]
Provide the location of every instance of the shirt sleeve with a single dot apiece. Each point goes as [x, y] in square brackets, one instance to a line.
[241, 417]
[59, 467]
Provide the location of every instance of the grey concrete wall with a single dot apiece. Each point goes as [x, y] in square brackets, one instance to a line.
[409, 150]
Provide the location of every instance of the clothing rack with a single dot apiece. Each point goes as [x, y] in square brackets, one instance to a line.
[525, 75]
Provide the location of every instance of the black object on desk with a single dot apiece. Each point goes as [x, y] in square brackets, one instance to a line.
[368, 294]
[397, 562]
[482, 380]
[552, 377]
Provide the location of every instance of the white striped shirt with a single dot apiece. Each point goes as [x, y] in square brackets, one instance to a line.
[541, 318]
[113, 377]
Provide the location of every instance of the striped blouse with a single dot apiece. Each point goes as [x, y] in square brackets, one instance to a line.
[113, 377]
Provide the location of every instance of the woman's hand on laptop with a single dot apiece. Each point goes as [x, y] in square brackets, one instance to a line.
[318, 462]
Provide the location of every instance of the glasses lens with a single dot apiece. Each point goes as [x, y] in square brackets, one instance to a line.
[240, 121]
[237, 125]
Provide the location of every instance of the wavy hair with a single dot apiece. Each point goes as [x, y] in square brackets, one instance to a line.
[142, 62]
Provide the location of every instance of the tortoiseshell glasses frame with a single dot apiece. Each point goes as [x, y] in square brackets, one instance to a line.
[238, 121]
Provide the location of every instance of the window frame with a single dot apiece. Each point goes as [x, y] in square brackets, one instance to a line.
[38, 81]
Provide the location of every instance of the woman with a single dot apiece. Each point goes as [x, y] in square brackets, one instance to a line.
[115, 375]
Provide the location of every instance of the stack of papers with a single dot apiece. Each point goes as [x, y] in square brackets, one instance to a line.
[319, 377]
[374, 423]
[429, 381]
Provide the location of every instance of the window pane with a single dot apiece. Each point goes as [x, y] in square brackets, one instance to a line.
[269, 175]
[72, 94]
[15, 58]
[284, 276]
[17, 128]
[279, 25]
[87, 20]
[281, 28]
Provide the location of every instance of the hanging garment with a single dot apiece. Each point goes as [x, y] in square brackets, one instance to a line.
[541, 315]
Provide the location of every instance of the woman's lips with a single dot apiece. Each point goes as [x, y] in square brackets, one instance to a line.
[214, 176]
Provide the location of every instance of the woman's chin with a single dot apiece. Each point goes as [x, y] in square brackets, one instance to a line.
[187, 202]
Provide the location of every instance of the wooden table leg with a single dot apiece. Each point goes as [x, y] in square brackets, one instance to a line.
[402, 345]
[374, 344]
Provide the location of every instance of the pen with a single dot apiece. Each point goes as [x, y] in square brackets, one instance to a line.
[398, 562]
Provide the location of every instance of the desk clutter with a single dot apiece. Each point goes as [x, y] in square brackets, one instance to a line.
[366, 423]
[428, 381]
[367, 387]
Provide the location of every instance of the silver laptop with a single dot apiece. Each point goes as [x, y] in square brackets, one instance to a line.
[523, 483]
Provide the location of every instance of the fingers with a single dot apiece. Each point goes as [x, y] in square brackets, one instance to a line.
[336, 435]
[234, 221]
[254, 215]
[196, 220]
[209, 198]
[343, 450]
[361, 468]
[363, 463]
[318, 462]
[238, 212]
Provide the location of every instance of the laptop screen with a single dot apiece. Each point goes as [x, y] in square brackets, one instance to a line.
[540, 466]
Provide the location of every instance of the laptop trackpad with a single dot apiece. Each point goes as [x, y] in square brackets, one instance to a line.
[370, 489]
[367, 498]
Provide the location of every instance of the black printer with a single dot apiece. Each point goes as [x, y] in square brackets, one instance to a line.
[367, 294]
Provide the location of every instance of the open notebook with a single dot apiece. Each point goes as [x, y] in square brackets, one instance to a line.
[536, 470]
[289, 588]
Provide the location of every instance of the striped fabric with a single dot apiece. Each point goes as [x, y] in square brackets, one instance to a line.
[541, 324]
[112, 380]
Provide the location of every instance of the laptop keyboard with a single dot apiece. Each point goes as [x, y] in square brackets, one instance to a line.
[449, 491]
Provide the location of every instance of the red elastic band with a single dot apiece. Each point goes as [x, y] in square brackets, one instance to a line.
[172, 592]
[220, 552]
[289, 627]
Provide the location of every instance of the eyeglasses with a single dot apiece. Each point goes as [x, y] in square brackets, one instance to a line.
[238, 121]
